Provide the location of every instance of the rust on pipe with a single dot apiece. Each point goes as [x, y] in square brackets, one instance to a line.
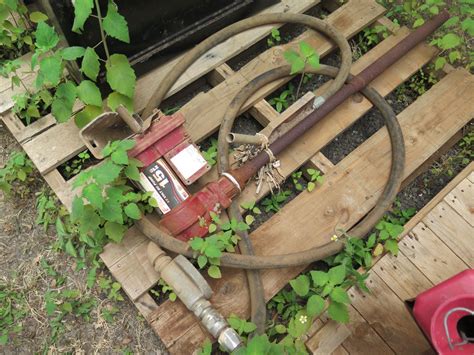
[358, 82]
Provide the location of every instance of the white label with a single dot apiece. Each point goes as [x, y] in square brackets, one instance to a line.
[188, 161]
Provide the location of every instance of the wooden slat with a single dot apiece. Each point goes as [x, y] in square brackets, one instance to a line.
[435, 260]
[359, 178]
[204, 113]
[321, 162]
[328, 338]
[363, 338]
[453, 230]
[341, 118]
[405, 280]
[461, 199]
[388, 315]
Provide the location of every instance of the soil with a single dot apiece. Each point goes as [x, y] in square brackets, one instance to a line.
[23, 245]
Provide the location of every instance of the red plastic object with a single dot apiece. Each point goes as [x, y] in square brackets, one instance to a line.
[191, 218]
[439, 309]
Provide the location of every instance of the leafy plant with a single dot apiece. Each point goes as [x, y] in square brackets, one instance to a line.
[273, 202]
[165, 289]
[16, 175]
[299, 60]
[315, 177]
[453, 39]
[47, 210]
[15, 33]
[74, 167]
[107, 206]
[282, 101]
[241, 326]
[110, 288]
[210, 154]
[13, 309]
[274, 38]
[222, 237]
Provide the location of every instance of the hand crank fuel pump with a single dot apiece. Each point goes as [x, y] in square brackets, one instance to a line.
[171, 162]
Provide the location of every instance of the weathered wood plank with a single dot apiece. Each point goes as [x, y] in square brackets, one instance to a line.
[363, 338]
[341, 118]
[359, 178]
[328, 338]
[388, 315]
[461, 199]
[405, 280]
[433, 257]
[425, 250]
[453, 230]
[204, 113]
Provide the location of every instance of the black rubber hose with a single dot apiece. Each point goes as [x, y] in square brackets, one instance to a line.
[152, 230]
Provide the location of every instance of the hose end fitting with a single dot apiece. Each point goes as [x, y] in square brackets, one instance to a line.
[318, 102]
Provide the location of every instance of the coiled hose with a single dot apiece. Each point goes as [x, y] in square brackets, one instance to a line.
[247, 260]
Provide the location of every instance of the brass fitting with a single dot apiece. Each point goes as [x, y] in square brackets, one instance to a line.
[194, 291]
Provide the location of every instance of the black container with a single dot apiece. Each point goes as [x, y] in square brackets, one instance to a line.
[158, 27]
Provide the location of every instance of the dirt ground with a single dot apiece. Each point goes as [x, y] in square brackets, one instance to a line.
[23, 245]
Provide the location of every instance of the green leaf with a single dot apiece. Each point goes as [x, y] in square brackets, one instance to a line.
[82, 11]
[320, 278]
[63, 101]
[119, 157]
[120, 75]
[106, 173]
[453, 56]
[115, 24]
[132, 211]
[306, 49]
[77, 208]
[249, 219]
[300, 285]
[420, 21]
[46, 37]
[337, 274]
[213, 252]
[214, 272]
[93, 193]
[338, 312]
[468, 26]
[297, 66]
[314, 61]
[72, 53]
[449, 41]
[451, 22]
[69, 248]
[202, 261]
[338, 294]
[115, 99]
[38, 16]
[133, 173]
[50, 71]
[392, 246]
[112, 211]
[315, 305]
[90, 64]
[87, 115]
[311, 186]
[212, 228]
[89, 93]
[115, 231]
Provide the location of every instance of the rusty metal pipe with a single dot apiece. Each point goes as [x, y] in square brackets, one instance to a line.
[249, 169]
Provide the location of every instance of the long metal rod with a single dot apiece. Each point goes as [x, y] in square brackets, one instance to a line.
[249, 169]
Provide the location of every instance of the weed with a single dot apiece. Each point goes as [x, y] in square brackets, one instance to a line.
[47, 210]
[16, 175]
[298, 61]
[315, 177]
[165, 289]
[222, 237]
[273, 203]
[110, 288]
[416, 86]
[210, 154]
[241, 326]
[75, 166]
[15, 35]
[274, 38]
[13, 310]
[453, 38]
[282, 102]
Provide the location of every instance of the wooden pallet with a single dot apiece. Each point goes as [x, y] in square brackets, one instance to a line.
[437, 244]
[428, 125]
